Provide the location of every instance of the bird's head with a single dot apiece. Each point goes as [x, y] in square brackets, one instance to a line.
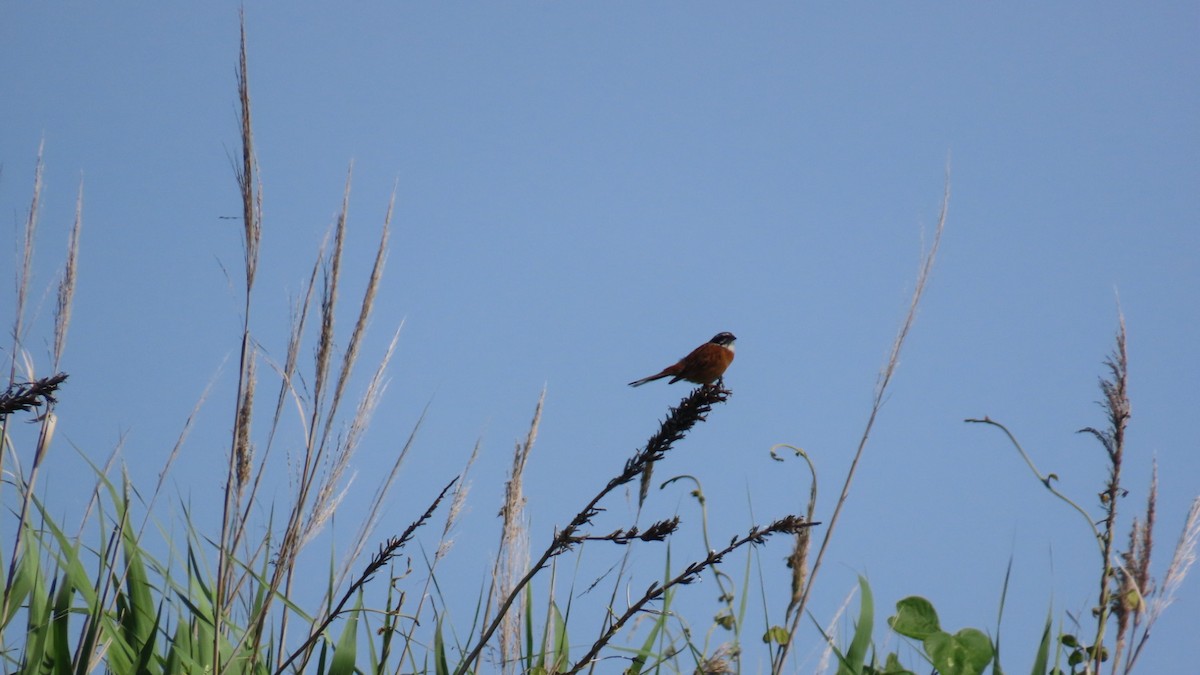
[724, 339]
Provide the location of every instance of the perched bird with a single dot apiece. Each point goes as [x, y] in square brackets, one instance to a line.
[705, 365]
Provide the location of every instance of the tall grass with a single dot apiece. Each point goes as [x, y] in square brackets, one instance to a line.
[1128, 600]
[25, 391]
[233, 602]
[229, 602]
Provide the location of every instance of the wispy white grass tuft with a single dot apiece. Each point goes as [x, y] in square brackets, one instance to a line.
[66, 285]
[1181, 561]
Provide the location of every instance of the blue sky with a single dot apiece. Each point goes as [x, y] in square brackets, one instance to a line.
[585, 191]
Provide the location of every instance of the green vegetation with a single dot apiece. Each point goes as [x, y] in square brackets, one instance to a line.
[226, 602]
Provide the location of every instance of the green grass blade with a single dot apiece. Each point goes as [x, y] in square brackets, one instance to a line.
[440, 665]
[656, 628]
[856, 655]
[68, 558]
[1042, 658]
[119, 655]
[201, 648]
[562, 642]
[147, 663]
[22, 585]
[344, 654]
[532, 660]
[996, 669]
[60, 646]
[37, 632]
[141, 619]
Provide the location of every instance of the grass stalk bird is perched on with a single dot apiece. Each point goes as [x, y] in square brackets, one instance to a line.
[705, 365]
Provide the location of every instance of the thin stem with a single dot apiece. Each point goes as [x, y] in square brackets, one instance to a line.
[881, 387]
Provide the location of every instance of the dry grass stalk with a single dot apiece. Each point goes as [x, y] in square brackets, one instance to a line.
[1128, 592]
[47, 419]
[66, 285]
[1133, 576]
[25, 274]
[329, 299]
[288, 371]
[513, 557]
[325, 458]
[287, 386]
[830, 632]
[247, 170]
[1131, 597]
[307, 515]
[719, 662]
[515, 543]
[350, 356]
[445, 542]
[243, 450]
[339, 453]
[336, 457]
[302, 527]
[690, 574]
[358, 426]
[251, 194]
[457, 505]
[693, 409]
[1117, 408]
[1181, 562]
[171, 457]
[23, 282]
[345, 448]
[797, 561]
[881, 386]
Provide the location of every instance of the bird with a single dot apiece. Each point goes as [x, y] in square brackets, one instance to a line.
[705, 365]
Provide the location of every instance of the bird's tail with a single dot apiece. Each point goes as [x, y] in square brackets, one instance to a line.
[644, 380]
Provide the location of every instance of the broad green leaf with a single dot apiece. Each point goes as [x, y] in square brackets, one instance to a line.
[915, 618]
[776, 635]
[893, 667]
[967, 652]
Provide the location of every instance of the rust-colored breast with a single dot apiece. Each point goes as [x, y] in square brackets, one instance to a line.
[704, 365]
